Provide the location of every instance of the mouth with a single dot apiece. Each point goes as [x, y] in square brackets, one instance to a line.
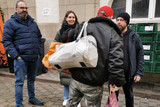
[24, 12]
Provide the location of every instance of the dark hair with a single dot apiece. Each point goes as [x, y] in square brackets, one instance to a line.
[66, 15]
[18, 2]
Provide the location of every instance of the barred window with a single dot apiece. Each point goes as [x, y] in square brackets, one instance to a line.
[157, 13]
[140, 8]
[118, 6]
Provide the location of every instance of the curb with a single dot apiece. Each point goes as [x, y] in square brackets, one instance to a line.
[45, 80]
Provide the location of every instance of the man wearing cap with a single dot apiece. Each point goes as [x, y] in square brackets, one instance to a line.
[133, 57]
[88, 82]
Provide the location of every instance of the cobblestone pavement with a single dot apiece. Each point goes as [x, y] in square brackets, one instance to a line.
[52, 95]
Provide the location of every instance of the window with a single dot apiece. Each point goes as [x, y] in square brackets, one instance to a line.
[118, 6]
[141, 11]
[140, 8]
[157, 13]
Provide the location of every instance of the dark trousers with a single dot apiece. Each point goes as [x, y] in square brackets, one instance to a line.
[128, 91]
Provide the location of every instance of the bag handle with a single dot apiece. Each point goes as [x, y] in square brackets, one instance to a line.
[83, 28]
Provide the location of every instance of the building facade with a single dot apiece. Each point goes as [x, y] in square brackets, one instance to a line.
[145, 17]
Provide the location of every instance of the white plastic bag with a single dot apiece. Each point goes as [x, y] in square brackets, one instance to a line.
[81, 53]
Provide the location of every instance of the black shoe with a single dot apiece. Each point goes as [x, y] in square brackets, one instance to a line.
[36, 102]
[20, 106]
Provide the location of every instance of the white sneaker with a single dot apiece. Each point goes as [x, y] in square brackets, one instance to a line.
[65, 102]
[79, 105]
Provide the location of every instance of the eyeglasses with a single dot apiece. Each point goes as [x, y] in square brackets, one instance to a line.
[23, 8]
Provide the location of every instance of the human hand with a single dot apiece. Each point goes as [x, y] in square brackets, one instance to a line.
[114, 88]
[137, 78]
[18, 58]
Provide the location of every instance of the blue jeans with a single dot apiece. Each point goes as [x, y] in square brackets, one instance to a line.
[22, 68]
[66, 92]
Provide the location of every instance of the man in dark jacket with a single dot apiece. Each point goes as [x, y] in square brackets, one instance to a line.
[133, 57]
[22, 40]
[88, 82]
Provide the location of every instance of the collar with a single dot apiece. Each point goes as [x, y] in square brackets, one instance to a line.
[106, 20]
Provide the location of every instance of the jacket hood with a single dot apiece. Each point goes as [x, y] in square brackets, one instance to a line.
[106, 20]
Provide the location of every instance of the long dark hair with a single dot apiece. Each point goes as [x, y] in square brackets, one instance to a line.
[66, 15]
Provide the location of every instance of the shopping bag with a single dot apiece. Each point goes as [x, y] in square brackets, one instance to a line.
[51, 50]
[81, 53]
[112, 100]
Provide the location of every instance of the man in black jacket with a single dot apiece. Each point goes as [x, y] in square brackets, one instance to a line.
[88, 82]
[133, 57]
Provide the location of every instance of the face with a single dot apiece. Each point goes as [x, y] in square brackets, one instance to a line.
[21, 10]
[71, 19]
[121, 23]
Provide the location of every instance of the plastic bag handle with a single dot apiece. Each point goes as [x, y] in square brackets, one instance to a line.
[84, 27]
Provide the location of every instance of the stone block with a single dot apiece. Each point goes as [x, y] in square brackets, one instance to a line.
[10, 12]
[11, 3]
[30, 3]
[63, 2]
[3, 4]
[90, 10]
[71, 2]
[32, 13]
[62, 12]
[79, 10]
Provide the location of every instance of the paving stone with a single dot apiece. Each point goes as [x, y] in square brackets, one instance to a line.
[52, 93]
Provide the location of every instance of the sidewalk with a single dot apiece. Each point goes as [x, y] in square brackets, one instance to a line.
[49, 90]
[144, 90]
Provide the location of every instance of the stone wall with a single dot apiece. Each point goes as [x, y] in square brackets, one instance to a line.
[84, 9]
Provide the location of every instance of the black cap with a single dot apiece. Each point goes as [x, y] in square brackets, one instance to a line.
[125, 16]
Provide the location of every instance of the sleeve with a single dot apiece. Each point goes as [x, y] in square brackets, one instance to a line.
[139, 56]
[40, 41]
[116, 71]
[57, 37]
[7, 40]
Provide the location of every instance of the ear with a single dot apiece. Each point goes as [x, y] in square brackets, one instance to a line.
[16, 9]
[111, 17]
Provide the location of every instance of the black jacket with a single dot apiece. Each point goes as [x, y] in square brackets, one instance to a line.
[110, 54]
[136, 55]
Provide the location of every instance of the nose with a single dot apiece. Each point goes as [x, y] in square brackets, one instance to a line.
[24, 9]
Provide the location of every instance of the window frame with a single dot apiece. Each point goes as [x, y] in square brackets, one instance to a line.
[151, 12]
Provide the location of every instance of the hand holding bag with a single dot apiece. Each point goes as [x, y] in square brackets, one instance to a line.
[51, 50]
[81, 53]
[112, 100]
